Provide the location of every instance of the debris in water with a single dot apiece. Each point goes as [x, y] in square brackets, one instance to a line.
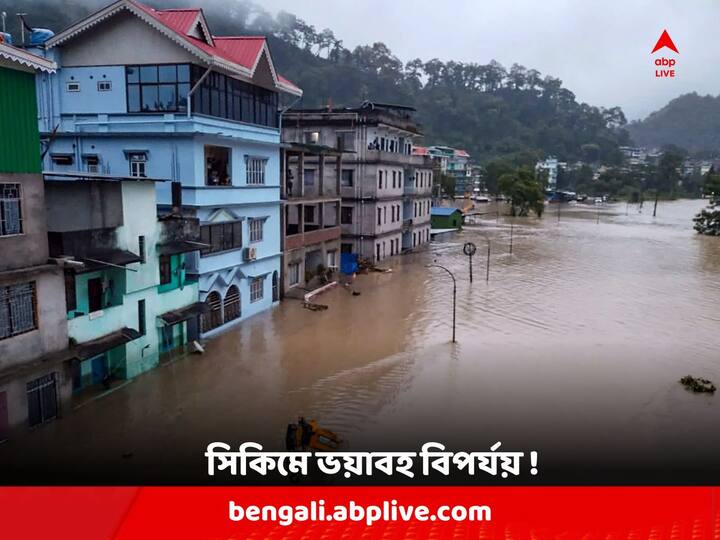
[698, 384]
[314, 307]
[356, 293]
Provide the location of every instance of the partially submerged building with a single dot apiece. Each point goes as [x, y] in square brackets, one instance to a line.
[310, 192]
[385, 189]
[34, 372]
[146, 92]
[129, 300]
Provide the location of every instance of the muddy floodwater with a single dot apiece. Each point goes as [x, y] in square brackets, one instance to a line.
[574, 348]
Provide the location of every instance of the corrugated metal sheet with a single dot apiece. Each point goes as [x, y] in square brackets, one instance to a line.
[19, 141]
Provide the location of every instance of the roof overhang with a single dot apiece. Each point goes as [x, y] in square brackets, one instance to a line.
[177, 316]
[26, 59]
[88, 349]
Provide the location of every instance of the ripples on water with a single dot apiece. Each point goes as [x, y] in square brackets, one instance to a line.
[573, 348]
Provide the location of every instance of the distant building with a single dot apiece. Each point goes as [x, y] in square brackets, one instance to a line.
[451, 162]
[385, 189]
[149, 92]
[444, 217]
[551, 166]
[34, 357]
[634, 156]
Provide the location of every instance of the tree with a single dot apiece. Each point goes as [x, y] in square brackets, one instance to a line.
[668, 176]
[708, 220]
[447, 185]
[524, 190]
[494, 170]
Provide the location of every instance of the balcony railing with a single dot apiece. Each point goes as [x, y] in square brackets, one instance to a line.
[296, 241]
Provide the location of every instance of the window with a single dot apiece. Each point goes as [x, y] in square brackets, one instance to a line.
[72, 86]
[309, 214]
[141, 317]
[346, 141]
[95, 294]
[312, 137]
[346, 215]
[141, 248]
[380, 179]
[165, 269]
[332, 259]
[394, 175]
[221, 237]
[294, 274]
[137, 161]
[214, 317]
[11, 219]
[231, 305]
[379, 214]
[42, 400]
[104, 86]
[256, 289]
[62, 159]
[225, 97]
[92, 163]
[255, 226]
[18, 309]
[347, 178]
[217, 166]
[255, 170]
[154, 88]
[70, 296]
[309, 177]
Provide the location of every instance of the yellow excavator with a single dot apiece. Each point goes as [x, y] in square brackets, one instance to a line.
[305, 436]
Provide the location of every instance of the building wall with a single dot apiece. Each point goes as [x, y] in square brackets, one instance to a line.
[29, 248]
[51, 334]
[19, 144]
[116, 41]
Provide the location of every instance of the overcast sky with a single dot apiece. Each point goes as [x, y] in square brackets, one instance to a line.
[600, 49]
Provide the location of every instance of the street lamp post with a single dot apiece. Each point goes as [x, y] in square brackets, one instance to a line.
[454, 294]
[469, 249]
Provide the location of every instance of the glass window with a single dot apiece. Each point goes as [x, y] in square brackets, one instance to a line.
[217, 166]
[347, 178]
[167, 74]
[150, 98]
[165, 269]
[11, 219]
[134, 98]
[148, 74]
[133, 74]
[183, 73]
[220, 237]
[346, 215]
[167, 97]
[18, 312]
[256, 289]
[294, 273]
[255, 227]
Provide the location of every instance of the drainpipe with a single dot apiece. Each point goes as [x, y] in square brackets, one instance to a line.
[195, 87]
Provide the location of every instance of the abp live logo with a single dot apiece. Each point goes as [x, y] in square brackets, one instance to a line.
[664, 66]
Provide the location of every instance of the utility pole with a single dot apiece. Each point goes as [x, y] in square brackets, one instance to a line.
[22, 27]
[469, 249]
[511, 236]
[3, 15]
[487, 273]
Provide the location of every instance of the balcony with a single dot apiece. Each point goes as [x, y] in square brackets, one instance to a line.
[309, 238]
[393, 158]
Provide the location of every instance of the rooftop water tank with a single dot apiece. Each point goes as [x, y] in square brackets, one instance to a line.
[40, 35]
[5, 38]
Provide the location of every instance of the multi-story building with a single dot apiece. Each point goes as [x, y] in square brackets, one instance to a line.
[34, 374]
[385, 190]
[450, 162]
[550, 166]
[152, 93]
[310, 191]
[129, 301]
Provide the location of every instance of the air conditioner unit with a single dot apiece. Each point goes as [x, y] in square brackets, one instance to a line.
[250, 254]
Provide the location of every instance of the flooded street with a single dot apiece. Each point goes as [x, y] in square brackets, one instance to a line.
[574, 349]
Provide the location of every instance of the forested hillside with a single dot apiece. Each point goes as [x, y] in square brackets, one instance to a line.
[690, 121]
[487, 108]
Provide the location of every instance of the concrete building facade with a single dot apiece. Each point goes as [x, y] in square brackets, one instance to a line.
[34, 379]
[378, 215]
[152, 93]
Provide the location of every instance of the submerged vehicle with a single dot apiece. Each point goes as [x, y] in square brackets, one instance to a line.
[310, 436]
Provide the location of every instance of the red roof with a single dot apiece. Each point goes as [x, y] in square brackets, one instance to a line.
[461, 153]
[240, 50]
[420, 151]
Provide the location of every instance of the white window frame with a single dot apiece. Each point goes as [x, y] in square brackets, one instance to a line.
[257, 289]
[294, 274]
[72, 86]
[255, 230]
[255, 170]
[138, 164]
[104, 86]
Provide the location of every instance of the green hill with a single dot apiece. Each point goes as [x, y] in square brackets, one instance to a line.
[689, 121]
[485, 108]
